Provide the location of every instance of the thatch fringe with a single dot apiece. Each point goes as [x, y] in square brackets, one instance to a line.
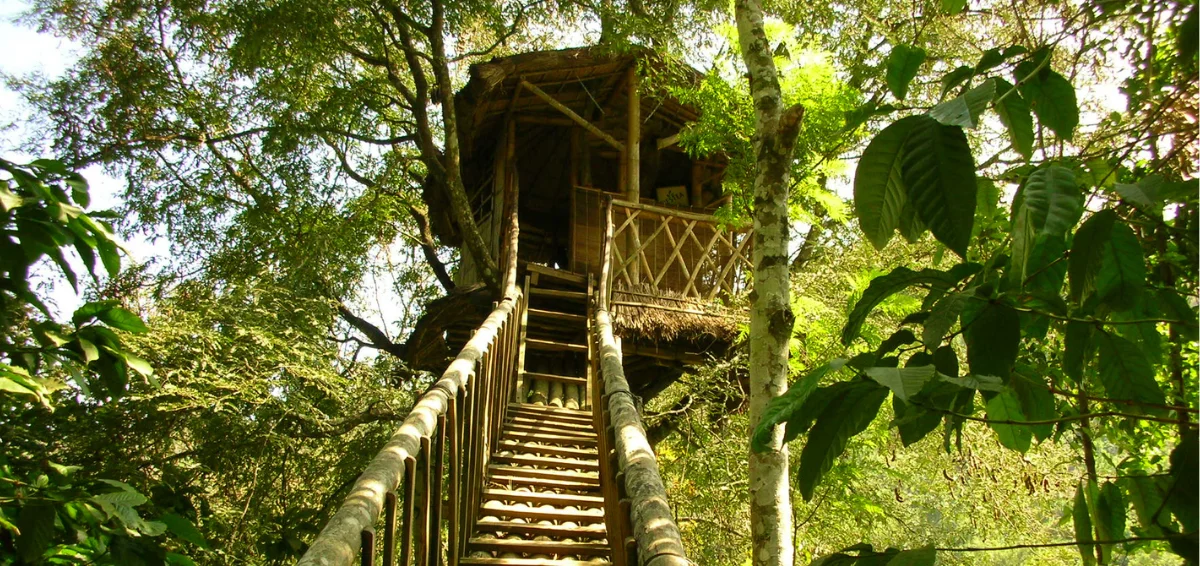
[666, 317]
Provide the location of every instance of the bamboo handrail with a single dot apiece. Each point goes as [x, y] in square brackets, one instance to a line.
[339, 542]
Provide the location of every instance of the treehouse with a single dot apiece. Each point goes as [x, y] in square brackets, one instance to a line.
[530, 449]
[589, 153]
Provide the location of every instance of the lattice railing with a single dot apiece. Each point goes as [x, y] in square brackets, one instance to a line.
[688, 254]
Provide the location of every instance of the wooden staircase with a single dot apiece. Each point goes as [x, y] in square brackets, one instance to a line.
[544, 499]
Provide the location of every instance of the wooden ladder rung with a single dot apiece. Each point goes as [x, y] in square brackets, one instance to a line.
[530, 562]
[558, 293]
[541, 546]
[569, 379]
[545, 498]
[556, 315]
[539, 344]
[517, 471]
[537, 529]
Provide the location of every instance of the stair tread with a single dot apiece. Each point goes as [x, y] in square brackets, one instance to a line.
[556, 346]
[560, 293]
[540, 428]
[539, 546]
[545, 483]
[546, 462]
[538, 529]
[561, 440]
[571, 379]
[581, 477]
[575, 416]
[543, 497]
[538, 448]
[545, 513]
[556, 410]
[532, 562]
[568, 276]
[559, 315]
[550, 422]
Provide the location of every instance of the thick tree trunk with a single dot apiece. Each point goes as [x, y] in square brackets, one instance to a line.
[771, 316]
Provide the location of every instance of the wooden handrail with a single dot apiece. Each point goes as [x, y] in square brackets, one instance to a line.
[676, 213]
[654, 528]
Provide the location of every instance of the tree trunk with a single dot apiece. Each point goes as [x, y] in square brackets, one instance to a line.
[771, 316]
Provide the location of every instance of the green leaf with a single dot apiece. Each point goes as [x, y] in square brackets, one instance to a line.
[1175, 307]
[123, 319]
[1016, 116]
[926, 556]
[1045, 208]
[911, 226]
[897, 339]
[90, 352]
[1184, 499]
[36, 523]
[879, 192]
[1077, 349]
[956, 77]
[965, 110]
[8, 200]
[1143, 194]
[1083, 527]
[1007, 407]
[953, 7]
[1125, 372]
[782, 408]
[1037, 403]
[91, 310]
[989, 60]
[1052, 98]
[885, 286]
[1122, 273]
[904, 382]
[939, 171]
[1110, 514]
[943, 316]
[1087, 251]
[176, 559]
[109, 256]
[1147, 499]
[993, 336]
[843, 417]
[127, 498]
[184, 529]
[903, 63]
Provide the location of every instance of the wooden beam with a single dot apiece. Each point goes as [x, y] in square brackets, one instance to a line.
[571, 114]
[664, 143]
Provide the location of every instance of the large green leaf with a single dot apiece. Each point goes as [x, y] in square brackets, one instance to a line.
[1125, 372]
[1052, 98]
[1110, 515]
[782, 408]
[123, 319]
[1176, 308]
[1077, 349]
[184, 529]
[36, 523]
[879, 193]
[1016, 116]
[943, 316]
[903, 63]
[1122, 273]
[1048, 205]
[939, 172]
[844, 416]
[1037, 403]
[1087, 250]
[1083, 527]
[964, 110]
[1007, 407]
[926, 556]
[1147, 499]
[993, 335]
[1185, 473]
[885, 286]
[904, 382]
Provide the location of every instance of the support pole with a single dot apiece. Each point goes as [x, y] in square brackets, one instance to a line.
[633, 159]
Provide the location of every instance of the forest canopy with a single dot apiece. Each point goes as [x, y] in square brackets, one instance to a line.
[994, 262]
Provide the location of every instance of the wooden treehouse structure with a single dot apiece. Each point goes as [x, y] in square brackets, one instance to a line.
[530, 449]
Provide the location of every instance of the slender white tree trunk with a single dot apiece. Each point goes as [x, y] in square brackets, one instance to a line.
[770, 302]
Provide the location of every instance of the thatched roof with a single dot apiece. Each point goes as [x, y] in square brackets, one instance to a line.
[665, 318]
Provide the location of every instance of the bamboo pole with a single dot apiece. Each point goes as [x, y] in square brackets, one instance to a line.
[633, 161]
[654, 528]
[572, 115]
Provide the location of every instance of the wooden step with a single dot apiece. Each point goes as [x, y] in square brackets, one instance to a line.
[552, 346]
[552, 419]
[557, 293]
[551, 423]
[546, 429]
[544, 498]
[539, 546]
[530, 562]
[581, 381]
[537, 529]
[568, 276]
[555, 413]
[544, 462]
[584, 478]
[545, 438]
[544, 514]
[544, 483]
[533, 448]
[556, 315]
